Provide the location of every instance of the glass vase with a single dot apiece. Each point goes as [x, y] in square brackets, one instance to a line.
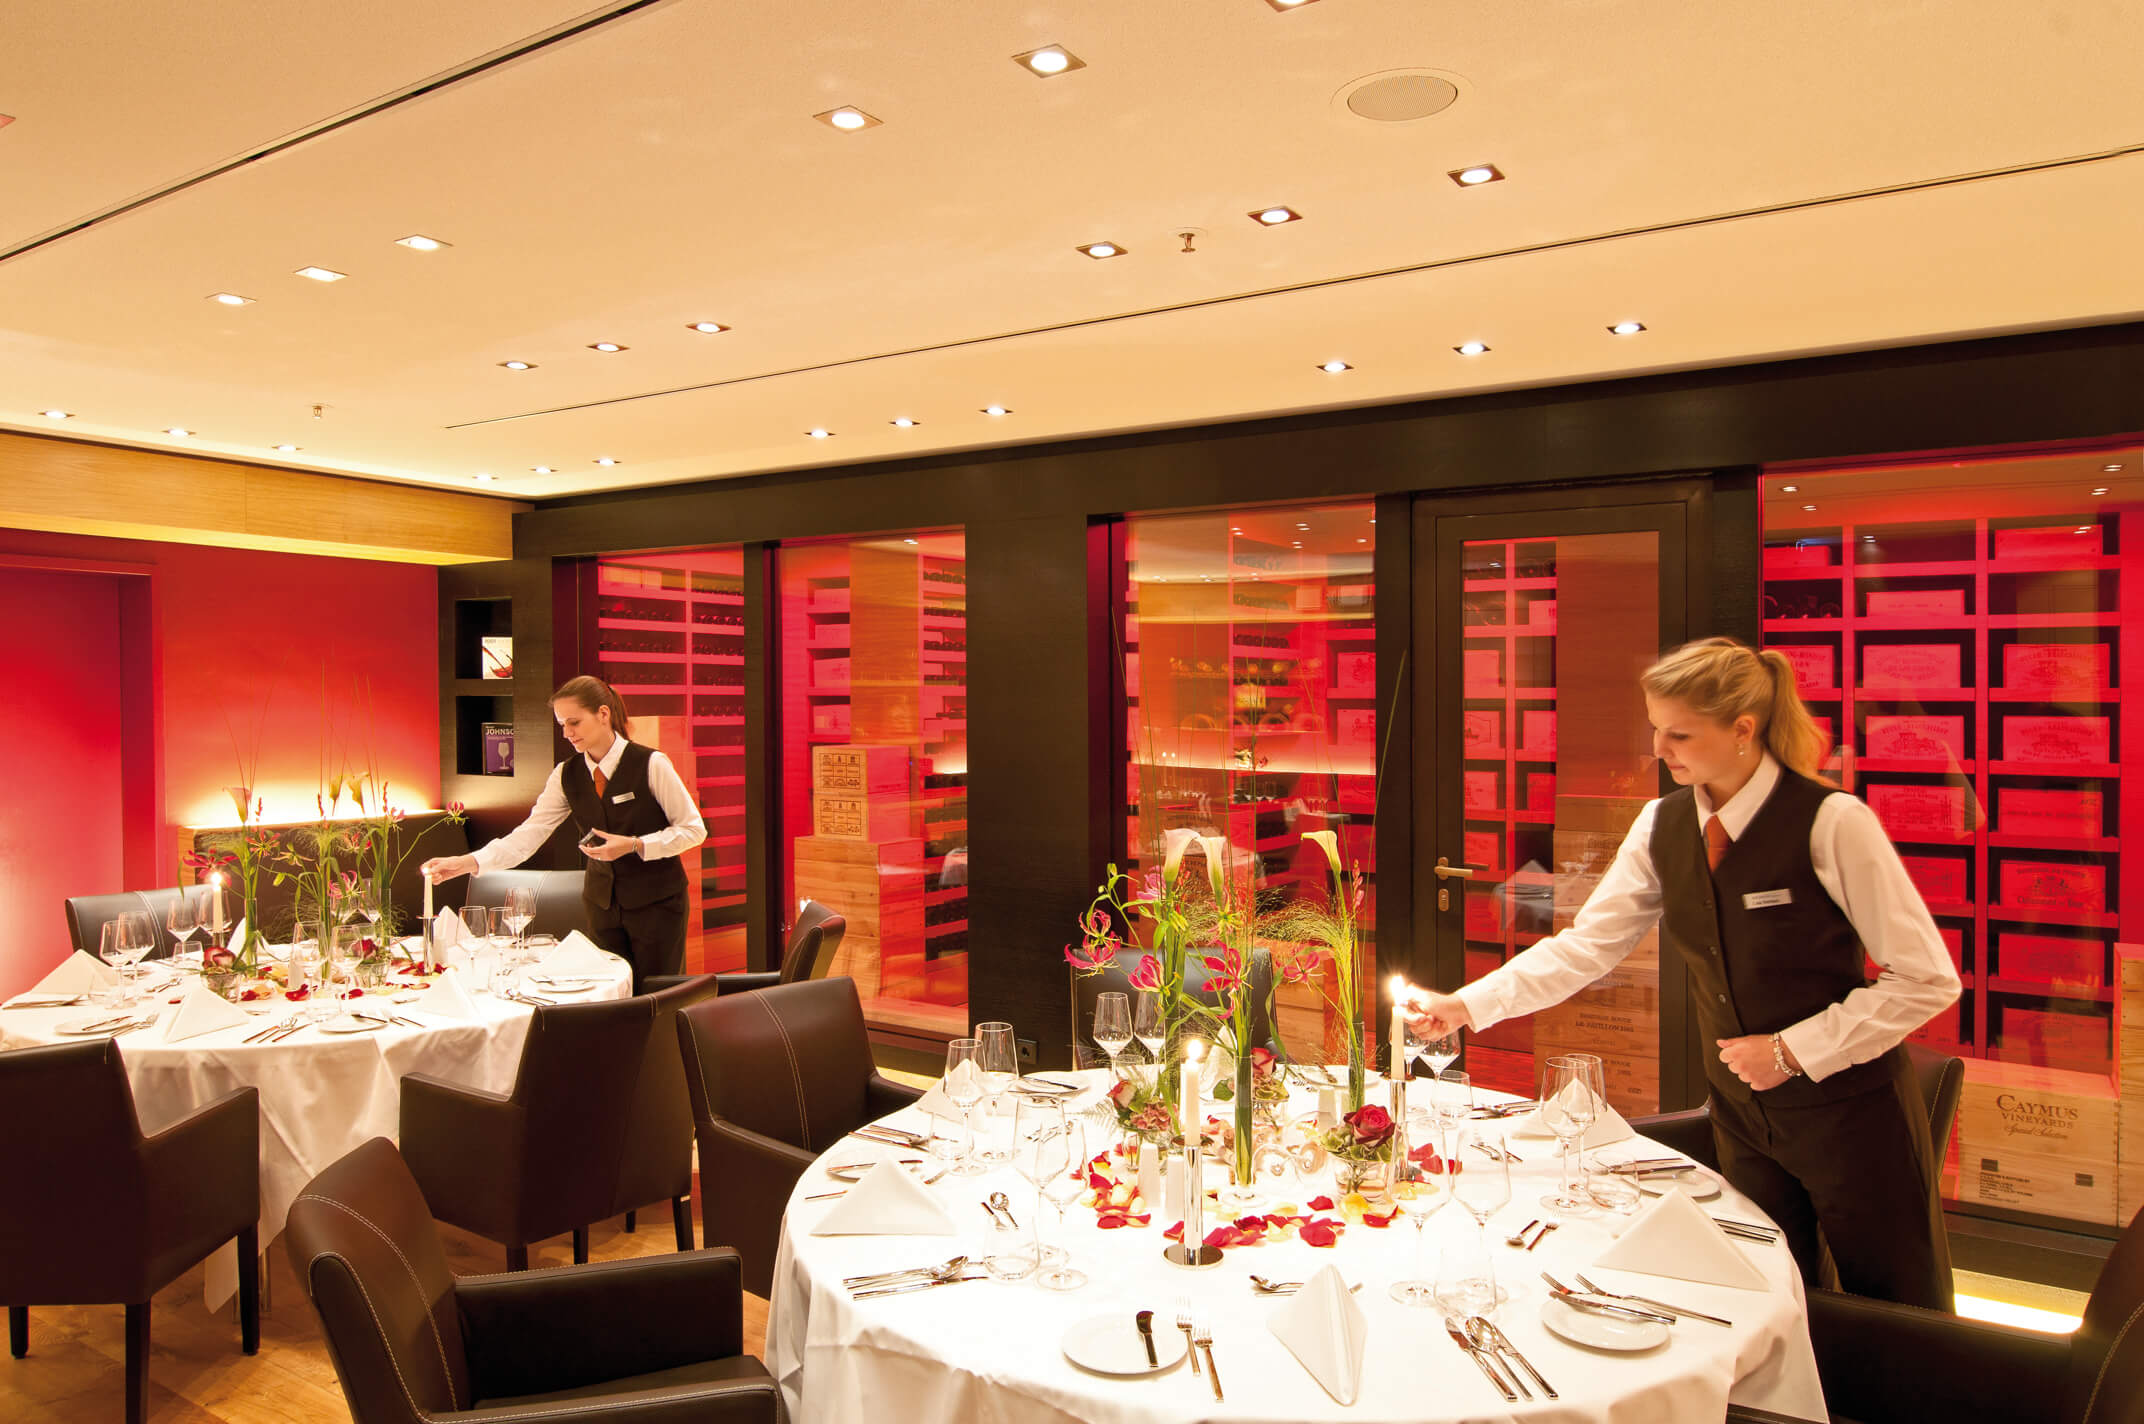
[1369, 1176]
[1243, 1192]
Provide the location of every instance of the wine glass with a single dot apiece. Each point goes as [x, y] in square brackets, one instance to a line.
[1112, 1024]
[1416, 1190]
[137, 936]
[1061, 1163]
[1451, 1099]
[344, 949]
[1147, 1023]
[1571, 1096]
[997, 1059]
[963, 1088]
[112, 949]
[1439, 1052]
[475, 938]
[306, 968]
[520, 910]
[1480, 1182]
[1039, 1153]
[182, 917]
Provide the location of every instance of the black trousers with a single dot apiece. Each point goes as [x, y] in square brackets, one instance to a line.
[1852, 1183]
[651, 938]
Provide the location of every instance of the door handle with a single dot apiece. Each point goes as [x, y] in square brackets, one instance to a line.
[1445, 870]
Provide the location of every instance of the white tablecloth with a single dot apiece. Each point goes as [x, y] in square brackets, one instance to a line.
[989, 1350]
[321, 1094]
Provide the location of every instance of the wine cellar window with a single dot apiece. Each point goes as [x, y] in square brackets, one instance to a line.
[874, 748]
[670, 638]
[1960, 628]
[1250, 672]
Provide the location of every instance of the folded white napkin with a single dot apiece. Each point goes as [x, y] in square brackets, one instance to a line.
[1674, 1237]
[578, 954]
[447, 930]
[1607, 1128]
[1326, 1331]
[886, 1201]
[78, 973]
[203, 1011]
[238, 935]
[449, 997]
[937, 1104]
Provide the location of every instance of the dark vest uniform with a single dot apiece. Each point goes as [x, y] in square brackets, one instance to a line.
[636, 907]
[1766, 947]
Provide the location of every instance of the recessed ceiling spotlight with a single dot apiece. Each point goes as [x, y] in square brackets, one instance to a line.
[906, 422]
[1627, 328]
[1302, 526]
[322, 274]
[1472, 348]
[539, 469]
[230, 299]
[484, 477]
[1362, 541]
[820, 432]
[58, 414]
[908, 541]
[848, 118]
[1101, 249]
[707, 328]
[519, 365]
[1297, 543]
[1790, 489]
[1334, 368]
[179, 430]
[606, 460]
[1235, 531]
[2084, 529]
[1476, 174]
[1049, 61]
[418, 242]
[605, 346]
[1275, 216]
[1285, 5]
[2101, 490]
[1808, 509]
[995, 410]
[288, 449]
[2112, 469]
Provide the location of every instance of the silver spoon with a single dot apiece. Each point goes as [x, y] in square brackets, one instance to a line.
[999, 1202]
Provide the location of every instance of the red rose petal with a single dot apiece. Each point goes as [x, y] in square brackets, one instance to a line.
[1174, 1233]
[1321, 1203]
[1317, 1233]
[1380, 1222]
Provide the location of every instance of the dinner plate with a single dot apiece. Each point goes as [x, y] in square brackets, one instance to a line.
[854, 1171]
[1599, 1331]
[1048, 1089]
[1697, 1184]
[352, 1026]
[1110, 1344]
[43, 1001]
[574, 985]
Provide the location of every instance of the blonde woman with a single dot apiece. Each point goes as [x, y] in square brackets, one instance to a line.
[1770, 886]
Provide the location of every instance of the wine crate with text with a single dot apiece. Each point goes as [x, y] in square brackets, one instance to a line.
[2038, 1140]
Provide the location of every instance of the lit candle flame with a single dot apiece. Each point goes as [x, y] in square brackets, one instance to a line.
[1193, 1049]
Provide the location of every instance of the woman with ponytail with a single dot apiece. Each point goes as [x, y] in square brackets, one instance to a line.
[633, 816]
[1771, 887]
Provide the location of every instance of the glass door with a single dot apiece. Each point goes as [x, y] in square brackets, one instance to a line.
[1534, 617]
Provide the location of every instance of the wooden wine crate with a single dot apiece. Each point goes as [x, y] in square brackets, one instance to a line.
[878, 888]
[1482, 731]
[2064, 961]
[1941, 879]
[1537, 733]
[1479, 790]
[1796, 558]
[863, 818]
[1484, 850]
[1914, 738]
[2063, 541]
[1814, 664]
[2054, 1038]
[863, 770]
[2129, 1071]
[1919, 812]
[2055, 667]
[1910, 666]
[1916, 603]
[2035, 811]
[2056, 740]
[2035, 884]
[2038, 1140]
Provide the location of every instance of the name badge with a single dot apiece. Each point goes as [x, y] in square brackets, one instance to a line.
[1766, 899]
[624, 796]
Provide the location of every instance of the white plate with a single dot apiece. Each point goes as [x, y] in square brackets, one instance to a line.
[43, 1001]
[854, 1171]
[1110, 1344]
[353, 1026]
[1601, 1332]
[576, 985]
[1697, 1184]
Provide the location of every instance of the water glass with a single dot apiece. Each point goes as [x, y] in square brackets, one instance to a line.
[1062, 1166]
[519, 912]
[1419, 1192]
[306, 968]
[963, 1088]
[997, 1059]
[1483, 1186]
[1113, 1023]
[1572, 1095]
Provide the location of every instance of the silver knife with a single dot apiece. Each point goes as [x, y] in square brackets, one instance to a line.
[1675, 1310]
[1503, 1343]
[911, 1286]
[1459, 1338]
[1609, 1307]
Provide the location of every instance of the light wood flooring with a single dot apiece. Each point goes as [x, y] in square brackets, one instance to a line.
[76, 1368]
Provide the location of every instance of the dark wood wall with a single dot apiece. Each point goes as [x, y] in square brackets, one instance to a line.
[1040, 813]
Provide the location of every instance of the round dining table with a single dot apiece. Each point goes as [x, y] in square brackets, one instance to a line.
[322, 1093]
[993, 1349]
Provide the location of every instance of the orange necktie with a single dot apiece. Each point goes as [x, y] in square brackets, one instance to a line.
[603, 785]
[1716, 841]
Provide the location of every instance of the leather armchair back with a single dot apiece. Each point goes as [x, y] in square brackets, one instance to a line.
[1086, 988]
[791, 1062]
[657, 1160]
[74, 1151]
[364, 1245]
[813, 940]
[559, 907]
[87, 916]
[1940, 1078]
[579, 1067]
[2106, 1374]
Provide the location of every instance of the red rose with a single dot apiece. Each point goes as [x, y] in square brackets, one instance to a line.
[1122, 1092]
[1371, 1124]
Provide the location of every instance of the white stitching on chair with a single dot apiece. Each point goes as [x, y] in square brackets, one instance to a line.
[796, 1076]
[2107, 1363]
[430, 1319]
[377, 1328]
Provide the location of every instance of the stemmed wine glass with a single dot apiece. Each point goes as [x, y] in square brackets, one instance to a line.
[963, 1088]
[1112, 1024]
[339, 969]
[182, 917]
[519, 913]
[1415, 1188]
[1451, 1099]
[1439, 1052]
[1054, 1161]
[1147, 1023]
[1466, 1283]
[474, 943]
[1571, 1096]
[997, 1058]
[124, 939]
[307, 966]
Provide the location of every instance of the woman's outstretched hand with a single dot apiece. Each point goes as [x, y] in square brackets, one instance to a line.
[1433, 1015]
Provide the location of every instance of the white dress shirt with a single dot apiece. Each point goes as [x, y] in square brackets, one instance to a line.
[1859, 869]
[685, 830]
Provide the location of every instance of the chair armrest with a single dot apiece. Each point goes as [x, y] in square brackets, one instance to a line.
[1688, 1132]
[721, 1133]
[213, 1155]
[457, 1140]
[1880, 1360]
[752, 1400]
[532, 1332]
[882, 1096]
[744, 982]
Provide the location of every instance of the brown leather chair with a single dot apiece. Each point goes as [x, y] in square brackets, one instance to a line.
[624, 1342]
[777, 1077]
[809, 954]
[87, 916]
[560, 910]
[544, 1158]
[153, 1205]
[657, 1162]
[1940, 1076]
[1882, 1361]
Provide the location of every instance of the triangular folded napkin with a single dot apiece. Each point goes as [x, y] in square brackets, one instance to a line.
[449, 998]
[1327, 1332]
[203, 1011]
[1674, 1237]
[238, 936]
[447, 931]
[578, 954]
[934, 1100]
[886, 1201]
[78, 973]
[1607, 1127]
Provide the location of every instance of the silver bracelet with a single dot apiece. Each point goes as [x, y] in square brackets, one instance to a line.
[1779, 1059]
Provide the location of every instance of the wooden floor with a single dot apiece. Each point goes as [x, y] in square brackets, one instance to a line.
[76, 1368]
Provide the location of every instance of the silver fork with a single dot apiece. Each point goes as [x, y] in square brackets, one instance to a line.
[1191, 1346]
[271, 1030]
[1202, 1336]
[1501, 1343]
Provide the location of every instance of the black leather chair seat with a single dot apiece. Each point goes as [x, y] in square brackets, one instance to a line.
[672, 1382]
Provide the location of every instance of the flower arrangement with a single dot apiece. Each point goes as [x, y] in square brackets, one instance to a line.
[1154, 911]
[1144, 1111]
[1361, 1148]
[1332, 931]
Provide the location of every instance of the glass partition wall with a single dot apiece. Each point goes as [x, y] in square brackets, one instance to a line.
[1250, 670]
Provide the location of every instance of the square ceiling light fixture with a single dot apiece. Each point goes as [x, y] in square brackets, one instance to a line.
[1049, 61]
[1290, 4]
[848, 118]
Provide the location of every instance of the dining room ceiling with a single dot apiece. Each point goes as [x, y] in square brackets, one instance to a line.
[1746, 180]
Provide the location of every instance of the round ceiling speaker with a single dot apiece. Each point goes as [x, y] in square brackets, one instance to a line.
[1399, 96]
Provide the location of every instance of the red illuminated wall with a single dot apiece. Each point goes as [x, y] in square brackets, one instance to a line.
[220, 631]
